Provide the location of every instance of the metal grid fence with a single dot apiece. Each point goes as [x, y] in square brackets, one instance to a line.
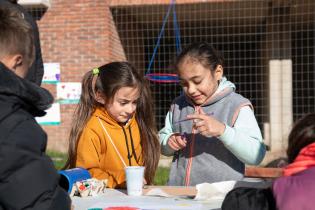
[268, 46]
[249, 34]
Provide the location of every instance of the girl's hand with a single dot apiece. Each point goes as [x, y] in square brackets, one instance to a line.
[207, 125]
[144, 182]
[177, 141]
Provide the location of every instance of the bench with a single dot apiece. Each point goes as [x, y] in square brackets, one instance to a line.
[261, 172]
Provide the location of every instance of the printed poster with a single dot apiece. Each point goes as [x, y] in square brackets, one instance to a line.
[52, 116]
[68, 92]
[51, 73]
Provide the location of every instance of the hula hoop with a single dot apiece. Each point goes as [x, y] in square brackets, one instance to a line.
[165, 77]
[162, 78]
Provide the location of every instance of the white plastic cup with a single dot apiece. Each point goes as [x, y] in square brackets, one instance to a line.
[134, 178]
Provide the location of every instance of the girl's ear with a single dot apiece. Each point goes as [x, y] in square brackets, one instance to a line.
[218, 73]
[99, 97]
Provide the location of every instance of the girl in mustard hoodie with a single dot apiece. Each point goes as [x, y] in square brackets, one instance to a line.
[113, 125]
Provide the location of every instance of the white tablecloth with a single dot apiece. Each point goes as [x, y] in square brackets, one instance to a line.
[112, 198]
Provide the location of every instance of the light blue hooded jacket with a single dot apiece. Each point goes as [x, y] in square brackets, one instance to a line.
[211, 159]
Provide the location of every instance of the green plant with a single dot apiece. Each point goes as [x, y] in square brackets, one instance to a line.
[58, 158]
[161, 176]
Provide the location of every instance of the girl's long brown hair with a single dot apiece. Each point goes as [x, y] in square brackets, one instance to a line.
[111, 78]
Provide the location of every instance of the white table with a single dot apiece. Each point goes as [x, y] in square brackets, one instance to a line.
[181, 198]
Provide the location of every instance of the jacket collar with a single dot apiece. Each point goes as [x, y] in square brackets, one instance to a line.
[101, 113]
[17, 90]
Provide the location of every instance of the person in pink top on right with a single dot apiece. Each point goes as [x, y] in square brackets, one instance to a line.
[296, 189]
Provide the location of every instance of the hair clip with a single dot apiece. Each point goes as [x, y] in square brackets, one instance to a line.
[96, 71]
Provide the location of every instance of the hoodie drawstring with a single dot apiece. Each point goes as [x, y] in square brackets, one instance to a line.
[133, 154]
[133, 147]
[112, 142]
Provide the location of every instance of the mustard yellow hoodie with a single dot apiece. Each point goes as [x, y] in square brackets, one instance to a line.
[96, 153]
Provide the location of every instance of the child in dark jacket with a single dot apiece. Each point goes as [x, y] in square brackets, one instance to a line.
[28, 179]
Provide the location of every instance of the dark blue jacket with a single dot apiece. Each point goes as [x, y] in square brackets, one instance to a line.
[28, 179]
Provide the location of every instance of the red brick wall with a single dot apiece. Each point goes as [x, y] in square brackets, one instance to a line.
[79, 35]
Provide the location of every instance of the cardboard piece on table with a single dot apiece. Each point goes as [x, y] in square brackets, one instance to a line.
[261, 172]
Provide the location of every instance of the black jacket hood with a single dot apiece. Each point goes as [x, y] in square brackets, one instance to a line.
[16, 92]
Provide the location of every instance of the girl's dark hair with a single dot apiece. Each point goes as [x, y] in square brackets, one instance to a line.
[301, 135]
[201, 52]
[111, 78]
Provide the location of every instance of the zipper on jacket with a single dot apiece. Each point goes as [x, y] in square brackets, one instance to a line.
[191, 152]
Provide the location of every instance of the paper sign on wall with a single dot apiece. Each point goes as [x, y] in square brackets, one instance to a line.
[52, 116]
[51, 73]
[68, 92]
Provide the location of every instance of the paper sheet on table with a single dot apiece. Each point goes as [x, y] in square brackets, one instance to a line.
[157, 192]
[156, 203]
[216, 190]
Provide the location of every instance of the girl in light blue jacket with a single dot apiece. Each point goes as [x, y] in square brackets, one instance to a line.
[210, 130]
